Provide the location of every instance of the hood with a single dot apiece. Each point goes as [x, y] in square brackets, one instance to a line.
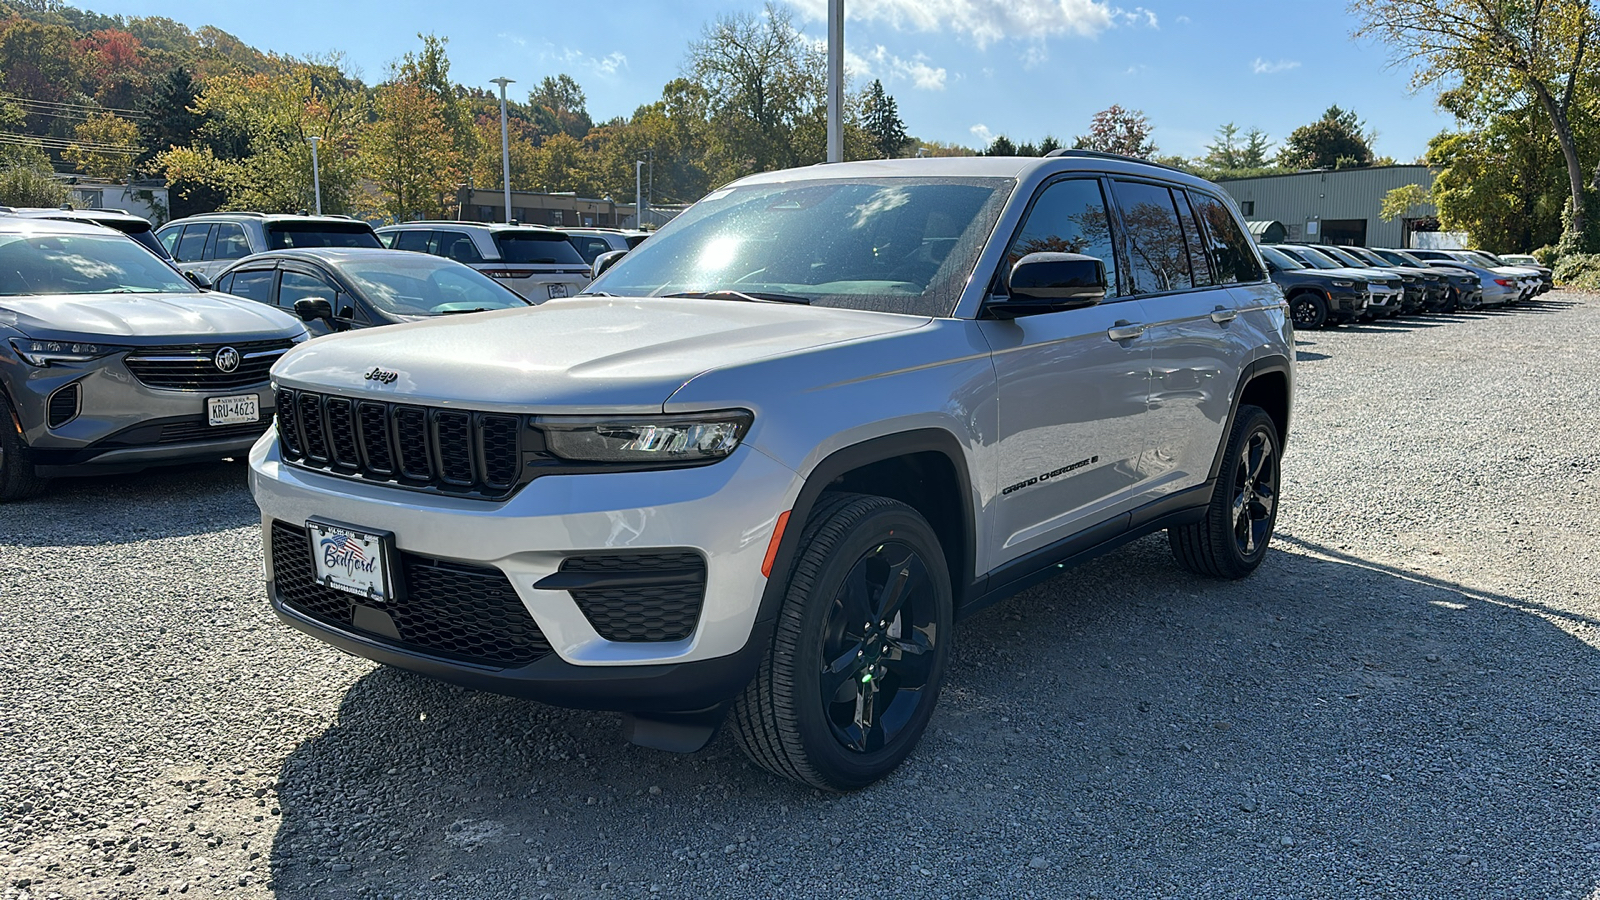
[147, 319]
[578, 355]
[1378, 276]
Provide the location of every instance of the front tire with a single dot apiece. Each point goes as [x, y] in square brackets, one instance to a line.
[1231, 541]
[1308, 311]
[860, 648]
[18, 480]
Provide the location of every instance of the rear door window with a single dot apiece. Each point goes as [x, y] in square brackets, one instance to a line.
[1200, 268]
[229, 242]
[458, 246]
[192, 246]
[1068, 217]
[251, 284]
[1156, 250]
[1232, 254]
[416, 241]
[285, 235]
[536, 247]
[589, 247]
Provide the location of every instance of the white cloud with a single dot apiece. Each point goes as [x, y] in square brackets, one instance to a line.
[987, 22]
[983, 134]
[515, 39]
[885, 65]
[1183, 20]
[606, 66]
[1262, 67]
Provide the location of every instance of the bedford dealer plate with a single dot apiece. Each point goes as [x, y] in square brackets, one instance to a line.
[350, 559]
[557, 290]
[235, 410]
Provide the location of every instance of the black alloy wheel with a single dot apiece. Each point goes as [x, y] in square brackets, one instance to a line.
[1308, 311]
[859, 651]
[18, 481]
[1233, 537]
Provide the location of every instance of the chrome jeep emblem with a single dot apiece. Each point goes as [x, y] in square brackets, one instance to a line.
[382, 376]
[226, 360]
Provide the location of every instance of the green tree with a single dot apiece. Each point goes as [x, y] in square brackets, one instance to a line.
[562, 98]
[1121, 131]
[1504, 180]
[104, 147]
[881, 119]
[26, 178]
[1333, 141]
[408, 152]
[1538, 50]
[1402, 201]
[430, 70]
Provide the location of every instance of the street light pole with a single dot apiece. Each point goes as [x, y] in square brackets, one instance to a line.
[316, 178]
[835, 81]
[505, 143]
[638, 194]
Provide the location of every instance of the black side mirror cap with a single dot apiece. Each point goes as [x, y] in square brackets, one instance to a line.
[199, 280]
[1050, 282]
[313, 309]
[605, 261]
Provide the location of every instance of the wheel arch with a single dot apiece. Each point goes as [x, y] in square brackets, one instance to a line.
[925, 468]
[1267, 383]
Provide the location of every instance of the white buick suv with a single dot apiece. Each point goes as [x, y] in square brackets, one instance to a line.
[759, 467]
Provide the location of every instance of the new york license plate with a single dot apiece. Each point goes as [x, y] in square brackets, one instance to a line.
[235, 410]
[349, 559]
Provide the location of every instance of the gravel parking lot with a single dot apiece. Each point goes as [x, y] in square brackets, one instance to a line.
[1403, 702]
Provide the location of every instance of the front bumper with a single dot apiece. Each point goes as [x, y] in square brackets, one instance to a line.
[725, 512]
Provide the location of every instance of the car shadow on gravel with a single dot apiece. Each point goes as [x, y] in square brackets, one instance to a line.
[140, 506]
[1328, 727]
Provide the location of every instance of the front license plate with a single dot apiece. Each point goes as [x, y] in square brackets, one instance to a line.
[558, 290]
[235, 410]
[349, 559]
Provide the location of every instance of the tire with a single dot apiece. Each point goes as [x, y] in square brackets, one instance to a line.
[801, 717]
[18, 481]
[1232, 539]
[1308, 311]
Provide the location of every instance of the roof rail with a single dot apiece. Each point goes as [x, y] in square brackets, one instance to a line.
[1073, 153]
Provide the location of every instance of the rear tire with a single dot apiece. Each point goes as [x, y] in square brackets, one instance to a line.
[18, 480]
[1231, 541]
[860, 648]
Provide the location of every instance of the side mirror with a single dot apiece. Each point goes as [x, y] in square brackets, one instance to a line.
[1051, 282]
[199, 280]
[605, 261]
[313, 309]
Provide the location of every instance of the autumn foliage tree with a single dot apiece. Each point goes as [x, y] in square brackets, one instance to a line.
[408, 152]
[1116, 130]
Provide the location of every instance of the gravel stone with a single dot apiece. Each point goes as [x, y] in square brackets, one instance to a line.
[1429, 613]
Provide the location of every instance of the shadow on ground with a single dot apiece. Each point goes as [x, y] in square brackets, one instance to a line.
[1329, 727]
[116, 509]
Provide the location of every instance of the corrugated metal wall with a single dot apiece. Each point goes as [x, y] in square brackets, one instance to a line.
[1304, 200]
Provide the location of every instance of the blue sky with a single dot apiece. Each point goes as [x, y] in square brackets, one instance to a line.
[960, 69]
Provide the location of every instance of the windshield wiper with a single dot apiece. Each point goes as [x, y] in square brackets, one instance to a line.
[748, 296]
[455, 312]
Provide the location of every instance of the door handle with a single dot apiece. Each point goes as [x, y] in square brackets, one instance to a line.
[1123, 330]
[1223, 315]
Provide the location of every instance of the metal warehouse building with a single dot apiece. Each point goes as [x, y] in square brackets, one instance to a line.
[1331, 206]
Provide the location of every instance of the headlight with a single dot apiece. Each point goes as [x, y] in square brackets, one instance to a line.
[45, 353]
[693, 438]
[1344, 284]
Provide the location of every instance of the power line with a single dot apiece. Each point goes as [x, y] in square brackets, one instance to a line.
[80, 108]
[50, 143]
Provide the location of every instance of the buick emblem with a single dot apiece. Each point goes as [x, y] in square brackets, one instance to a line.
[227, 359]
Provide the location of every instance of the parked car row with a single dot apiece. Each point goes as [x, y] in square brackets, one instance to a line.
[1329, 285]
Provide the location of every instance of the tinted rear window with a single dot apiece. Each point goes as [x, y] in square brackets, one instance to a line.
[287, 235]
[536, 247]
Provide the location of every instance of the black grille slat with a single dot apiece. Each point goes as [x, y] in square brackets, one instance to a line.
[411, 428]
[312, 430]
[455, 446]
[202, 430]
[641, 612]
[191, 368]
[64, 404]
[445, 609]
[446, 450]
[374, 419]
[342, 432]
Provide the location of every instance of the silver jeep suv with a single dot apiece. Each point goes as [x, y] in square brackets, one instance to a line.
[762, 465]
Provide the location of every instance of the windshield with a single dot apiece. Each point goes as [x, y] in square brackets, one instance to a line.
[1516, 260]
[1341, 255]
[537, 247]
[1482, 259]
[1282, 260]
[1367, 257]
[903, 245]
[415, 285]
[32, 264]
[287, 235]
[1312, 258]
[1497, 260]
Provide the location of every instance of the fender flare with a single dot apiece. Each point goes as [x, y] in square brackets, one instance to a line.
[1263, 366]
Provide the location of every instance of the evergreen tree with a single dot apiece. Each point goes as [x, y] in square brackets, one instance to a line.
[881, 119]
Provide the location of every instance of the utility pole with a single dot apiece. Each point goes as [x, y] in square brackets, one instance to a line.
[505, 143]
[316, 178]
[835, 81]
[638, 194]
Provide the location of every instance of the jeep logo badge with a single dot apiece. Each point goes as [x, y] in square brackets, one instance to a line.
[381, 376]
[226, 360]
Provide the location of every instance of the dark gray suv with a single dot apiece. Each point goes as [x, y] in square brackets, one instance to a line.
[111, 361]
